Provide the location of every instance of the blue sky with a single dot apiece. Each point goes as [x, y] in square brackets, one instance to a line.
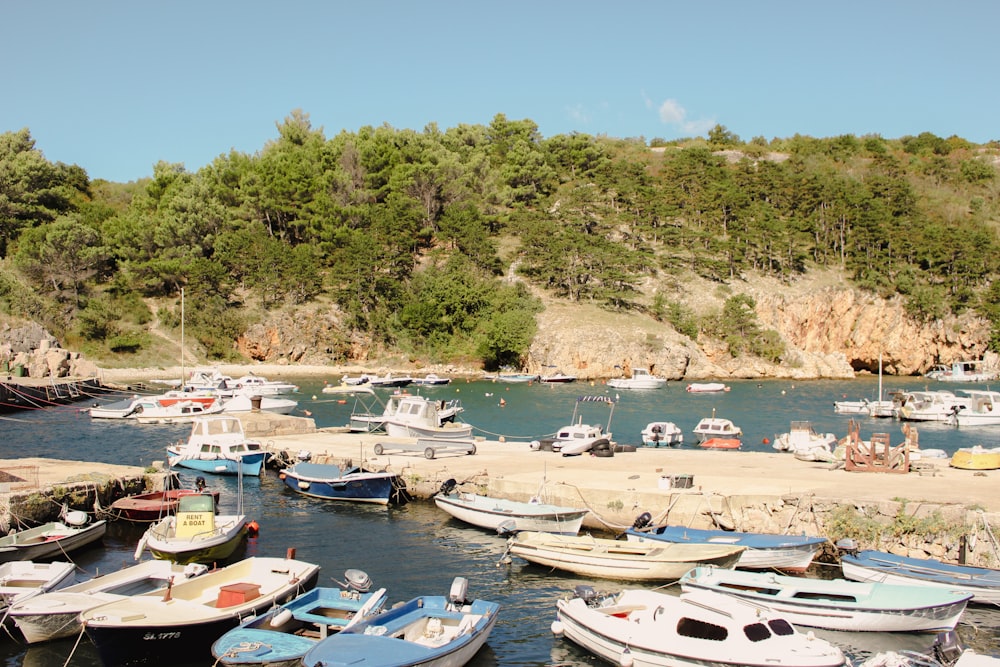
[115, 86]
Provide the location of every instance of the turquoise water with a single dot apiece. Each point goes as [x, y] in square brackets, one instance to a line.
[416, 549]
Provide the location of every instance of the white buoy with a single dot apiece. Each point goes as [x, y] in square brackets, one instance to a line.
[557, 628]
[281, 618]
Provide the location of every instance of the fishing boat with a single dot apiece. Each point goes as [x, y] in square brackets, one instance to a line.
[508, 516]
[976, 458]
[648, 628]
[718, 433]
[764, 551]
[590, 556]
[416, 416]
[838, 604]
[218, 445]
[331, 482]
[427, 631]
[153, 506]
[195, 534]
[657, 434]
[868, 565]
[22, 580]
[55, 614]
[51, 539]
[181, 622]
[281, 636]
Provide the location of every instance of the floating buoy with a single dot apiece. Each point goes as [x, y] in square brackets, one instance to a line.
[557, 628]
[502, 402]
[314, 397]
[253, 529]
[307, 413]
[502, 439]
[766, 441]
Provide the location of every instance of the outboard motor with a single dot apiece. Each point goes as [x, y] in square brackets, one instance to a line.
[199, 483]
[848, 545]
[457, 596]
[357, 580]
[642, 521]
[447, 486]
[947, 648]
[585, 593]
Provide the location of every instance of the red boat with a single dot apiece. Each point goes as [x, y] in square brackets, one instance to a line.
[155, 505]
[721, 443]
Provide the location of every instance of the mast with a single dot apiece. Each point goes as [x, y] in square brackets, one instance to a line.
[183, 379]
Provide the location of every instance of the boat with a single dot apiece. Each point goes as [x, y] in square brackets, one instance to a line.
[845, 407]
[962, 371]
[557, 377]
[982, 409]
[946, 651]
[706, 387]
[248, 403]
[764, 551]
[577, 437]
[976, 458]
[640, 378]
[119, 409]
[648, 628]
[195, 533]
[590, 556]
[22, 580]
[153, 506]
[508, 516]
[389, 380]
[427, 631]
[718, 433]
[420, 417]
[658, 434]
[513, 378]
[55, 614]
[805, 443]
[281, 636]
[329, 481]
[936, 406]
[51, 539]
[184, 619]
[155, 411]
[430, 380]
[355, 381]
[218, 445]
[837, 604]
[256, 385]
[982, 583]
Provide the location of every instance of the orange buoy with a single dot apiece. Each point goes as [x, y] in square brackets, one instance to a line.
[766, 441]
[253, 529]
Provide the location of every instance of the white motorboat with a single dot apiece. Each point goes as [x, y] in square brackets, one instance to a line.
[662, 434]
[557, 377]
[962, 371]
[719, 433]
[805, 443]
[248, 403]
[706, 387]
[577, 438]
[389, 380]
[155, 411]
[218, 445]
[431, 380]
[930, 405]
[509, 516]
[982, 409]
[838, 604]
[55, 614]
[590, 556]
[186, 618]
[22, 580]
[647, 628]
[51, 539]
[640, 378]
[420, 417]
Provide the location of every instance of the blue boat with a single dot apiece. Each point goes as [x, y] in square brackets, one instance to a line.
[282, 635]
[217, 445]
[331, 482]
[982, 583]
[428, 631]
[764, 551]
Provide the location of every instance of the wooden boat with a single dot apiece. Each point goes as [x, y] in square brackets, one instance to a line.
[976, 458]
[49, 540]
[55, 614]
[617, 559]
[658, 434]
[153, 506]
[331, 482]
[195, 534]
[648, 628]
[640, 378]
[706, 387]
[508, 516]
[428, 631]
[218, 445]
[790, 553]
[282, 636]
[982, 583]
[21, 580]
[838, 604]
[183, 620]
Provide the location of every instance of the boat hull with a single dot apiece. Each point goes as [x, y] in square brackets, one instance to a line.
[153, 506]
[511, 516]
[48, 540]
[875, 566]
[249, 465]
[364, 487]
[448, 431]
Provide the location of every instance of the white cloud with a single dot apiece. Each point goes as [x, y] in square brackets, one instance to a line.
[579, 113]
[672, 113]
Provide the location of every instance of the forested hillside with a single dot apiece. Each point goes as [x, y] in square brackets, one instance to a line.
[435, 243]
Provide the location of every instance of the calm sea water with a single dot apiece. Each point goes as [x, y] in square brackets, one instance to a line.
[417, 550]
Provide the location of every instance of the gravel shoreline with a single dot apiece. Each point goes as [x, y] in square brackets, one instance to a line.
[273, 371]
